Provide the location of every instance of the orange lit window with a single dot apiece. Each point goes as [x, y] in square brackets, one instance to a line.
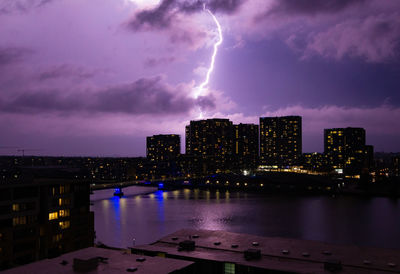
[64, 213]
[63, 201]
[15, 207]
[64, 225]
[53, 215]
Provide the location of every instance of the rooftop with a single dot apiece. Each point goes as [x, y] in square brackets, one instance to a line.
[298, 256]
[103, 261]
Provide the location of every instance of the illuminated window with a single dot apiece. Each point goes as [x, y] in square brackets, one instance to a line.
[15, 207]
[53, 215]
[64, 213]
[229, 268]
[63, 201]
[19, 220]
[64, 225]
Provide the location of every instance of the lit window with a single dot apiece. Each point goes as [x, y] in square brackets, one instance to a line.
[64, 225]
[53, 216]
[229, 268]
[63, 201]
[19, 221]
[15, 207]
[64, 213]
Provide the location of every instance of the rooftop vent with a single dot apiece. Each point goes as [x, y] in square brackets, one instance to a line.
[234, 245]
[255, 243]
[186, 245]
[252, 254]
[285, 251]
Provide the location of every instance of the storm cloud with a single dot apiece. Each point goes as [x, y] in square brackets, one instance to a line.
[21, 6]
[162, 16]
[311, 7]
[10, 55]
[146, 96]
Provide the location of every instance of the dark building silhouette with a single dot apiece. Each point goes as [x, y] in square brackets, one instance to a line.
[369, 157]
[396, 165]
[44, 212]
[245, 146]
[345, 149]
[280, 140]
[161, 148]
[211, 139]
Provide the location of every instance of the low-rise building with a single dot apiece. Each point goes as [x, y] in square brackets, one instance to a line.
[226, 252]
[101, 260]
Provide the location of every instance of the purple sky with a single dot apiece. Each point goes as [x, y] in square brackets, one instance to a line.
[84, 77]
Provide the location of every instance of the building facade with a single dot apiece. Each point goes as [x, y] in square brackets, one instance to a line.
[211, 139]
[245, 147]
[163, 148]
[345, 149]
[280, 140]
[43, 217]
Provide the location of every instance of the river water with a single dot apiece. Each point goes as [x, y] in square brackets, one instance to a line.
[141, 217]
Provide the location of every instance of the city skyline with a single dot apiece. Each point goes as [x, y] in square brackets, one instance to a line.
[78, 79]
[183, 141]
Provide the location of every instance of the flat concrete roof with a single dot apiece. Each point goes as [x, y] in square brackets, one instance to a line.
[116, 262]
[291, 255]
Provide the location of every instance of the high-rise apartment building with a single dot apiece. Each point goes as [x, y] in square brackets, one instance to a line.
[245, 145]
[280, 140]
[211, 139]
[161, 148]
[345, 148]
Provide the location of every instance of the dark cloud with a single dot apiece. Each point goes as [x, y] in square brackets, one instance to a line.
[206, 102]
[311, 7]
[154, 62]
[41, 101]
[65, 71]
[223, 6]
[12, 55]
[376, 39]
[157, 18]
[162, 16]
[15, 6]
[146, 96]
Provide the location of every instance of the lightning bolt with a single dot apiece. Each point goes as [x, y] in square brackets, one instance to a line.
[200, 88]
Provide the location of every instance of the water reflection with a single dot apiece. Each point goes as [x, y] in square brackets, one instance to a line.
[342, 220]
